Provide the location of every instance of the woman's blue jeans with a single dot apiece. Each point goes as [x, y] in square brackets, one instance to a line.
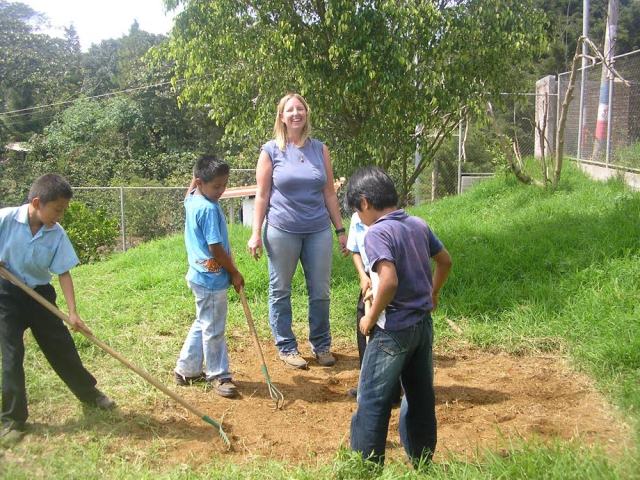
[405, 354]
[315, 253]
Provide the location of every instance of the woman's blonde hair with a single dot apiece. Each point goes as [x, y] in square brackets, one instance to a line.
[280, 129]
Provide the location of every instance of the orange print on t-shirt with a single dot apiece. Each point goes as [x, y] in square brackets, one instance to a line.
[211, 265]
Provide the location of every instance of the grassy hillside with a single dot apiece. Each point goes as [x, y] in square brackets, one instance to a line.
[540, 271]
[534, 271]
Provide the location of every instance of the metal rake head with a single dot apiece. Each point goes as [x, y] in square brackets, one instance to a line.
[276, 396]
[218, 426]
[274, 393]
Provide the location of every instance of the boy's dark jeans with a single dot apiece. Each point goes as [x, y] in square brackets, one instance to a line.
[405, 354]
[18, 312]
[362, 345]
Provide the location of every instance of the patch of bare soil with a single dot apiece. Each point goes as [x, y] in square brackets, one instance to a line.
[484, 401]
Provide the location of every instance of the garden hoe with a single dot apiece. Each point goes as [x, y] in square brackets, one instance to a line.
[63, 316]
[274, 393]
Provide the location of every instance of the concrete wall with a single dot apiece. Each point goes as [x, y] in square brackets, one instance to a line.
[602, 173]
[468, 180]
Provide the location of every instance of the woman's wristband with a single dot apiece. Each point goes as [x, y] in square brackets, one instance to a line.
[340, 231]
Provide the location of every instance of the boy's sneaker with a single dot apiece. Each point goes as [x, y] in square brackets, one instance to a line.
[293, 360]
[186, 381]
[224, 387]
[325, 359]
[104, 403]
[11, 433]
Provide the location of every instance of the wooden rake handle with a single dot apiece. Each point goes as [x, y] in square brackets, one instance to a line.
[65, 318]
[367, 308]
[274, 393]
[252, 327]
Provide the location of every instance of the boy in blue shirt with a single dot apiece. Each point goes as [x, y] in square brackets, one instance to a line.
[33, 245]
[355, 244]
[399, 325]
[211, 269]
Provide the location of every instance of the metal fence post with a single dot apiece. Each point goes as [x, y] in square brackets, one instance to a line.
[609, 122]
[460, 157]
[122, 220]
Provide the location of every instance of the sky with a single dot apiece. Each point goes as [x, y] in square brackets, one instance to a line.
[97, 20]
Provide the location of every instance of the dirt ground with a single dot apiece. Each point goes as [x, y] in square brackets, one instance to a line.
[484, 401]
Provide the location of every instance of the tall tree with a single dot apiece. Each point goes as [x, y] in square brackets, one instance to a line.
[117, 64]
[34, 69]
[380, 75]
[565, 27]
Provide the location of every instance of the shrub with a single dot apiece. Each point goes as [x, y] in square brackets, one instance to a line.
[92, 232]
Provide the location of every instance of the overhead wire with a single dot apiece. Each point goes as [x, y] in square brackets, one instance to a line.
[30, 110]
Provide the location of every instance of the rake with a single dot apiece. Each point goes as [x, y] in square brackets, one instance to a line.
[274, 393]
[63, 316]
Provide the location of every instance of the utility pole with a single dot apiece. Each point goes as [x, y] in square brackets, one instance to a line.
[582, 114]
[606, 83]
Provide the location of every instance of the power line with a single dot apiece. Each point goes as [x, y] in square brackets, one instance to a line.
[27, 111]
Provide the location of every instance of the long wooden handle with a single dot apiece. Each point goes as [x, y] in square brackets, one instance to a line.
[252, 328]
[367, 308]
[63, 316]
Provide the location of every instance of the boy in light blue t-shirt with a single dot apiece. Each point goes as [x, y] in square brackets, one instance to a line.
[33, 246]
[355, 244]
[211, 270]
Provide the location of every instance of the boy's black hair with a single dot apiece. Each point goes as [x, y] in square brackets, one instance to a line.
[371, 183]
[49, 188]
[209, 167]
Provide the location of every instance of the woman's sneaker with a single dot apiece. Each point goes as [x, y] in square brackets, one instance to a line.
[325, 359]
[293, 360]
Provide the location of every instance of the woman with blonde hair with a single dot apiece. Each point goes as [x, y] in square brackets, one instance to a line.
[297, 202]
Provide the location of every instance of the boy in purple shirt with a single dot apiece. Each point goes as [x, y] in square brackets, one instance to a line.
[399, 323]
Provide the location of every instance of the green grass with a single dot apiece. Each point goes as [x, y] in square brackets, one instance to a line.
[538, 270]
[534, 271]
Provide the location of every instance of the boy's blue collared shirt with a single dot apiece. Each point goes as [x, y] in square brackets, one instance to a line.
[355, 240]
[33, 258]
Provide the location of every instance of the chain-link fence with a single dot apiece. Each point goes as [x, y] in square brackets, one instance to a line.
[608, 131]
[470, 155]
[147, 212]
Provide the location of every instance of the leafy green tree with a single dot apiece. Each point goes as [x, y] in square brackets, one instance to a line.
[93, 142]
[115, 64]
[565, 27]
[34, 69]
[119, 64]
[381, 75]
[101, 142]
